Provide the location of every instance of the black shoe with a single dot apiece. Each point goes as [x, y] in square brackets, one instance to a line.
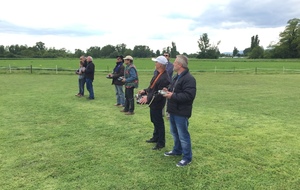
[171, 153]
[151, 141]
[158, 147]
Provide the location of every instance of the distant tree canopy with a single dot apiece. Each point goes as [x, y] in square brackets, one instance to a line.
[287, 47]
[207, 51]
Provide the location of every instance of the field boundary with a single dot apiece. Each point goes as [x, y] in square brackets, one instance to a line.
[59, 70]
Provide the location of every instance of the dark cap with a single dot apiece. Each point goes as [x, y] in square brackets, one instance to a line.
[121, 56]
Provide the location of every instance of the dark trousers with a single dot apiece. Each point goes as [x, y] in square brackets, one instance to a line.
[129, 100]
[159, 126]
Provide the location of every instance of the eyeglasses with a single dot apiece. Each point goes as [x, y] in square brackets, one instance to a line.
[166, 55]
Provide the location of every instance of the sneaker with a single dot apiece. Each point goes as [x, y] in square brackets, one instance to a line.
[182, 163]
[77, 94]
[117, 104]
[171, 153]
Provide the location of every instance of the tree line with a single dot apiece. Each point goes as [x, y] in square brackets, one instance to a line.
[287, 47]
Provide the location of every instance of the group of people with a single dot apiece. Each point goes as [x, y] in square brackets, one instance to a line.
[86, 74]
[176, 93]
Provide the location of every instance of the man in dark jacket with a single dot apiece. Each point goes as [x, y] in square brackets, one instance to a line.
[89, 77]
[156, 101]
[181, 95]
[117, 75]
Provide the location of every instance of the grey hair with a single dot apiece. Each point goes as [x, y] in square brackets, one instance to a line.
[90, 58]
[183, 60]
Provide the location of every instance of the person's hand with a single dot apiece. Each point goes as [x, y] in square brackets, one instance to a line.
[168, 95]
[143, 100]
[141, 92]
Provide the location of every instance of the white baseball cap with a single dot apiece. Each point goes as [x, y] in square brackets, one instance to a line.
[161, 59]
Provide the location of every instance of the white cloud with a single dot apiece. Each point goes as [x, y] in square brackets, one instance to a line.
[82, 24]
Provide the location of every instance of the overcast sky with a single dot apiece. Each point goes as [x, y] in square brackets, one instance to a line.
[156, 23]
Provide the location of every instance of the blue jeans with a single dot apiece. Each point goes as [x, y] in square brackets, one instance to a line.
[120, 94]
[89, 87]
[81, 86]
[182, 140]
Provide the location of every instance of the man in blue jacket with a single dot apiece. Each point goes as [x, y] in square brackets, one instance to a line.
[181, 95]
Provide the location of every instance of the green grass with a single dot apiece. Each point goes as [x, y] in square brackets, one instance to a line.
[42, 66]
[244, 130]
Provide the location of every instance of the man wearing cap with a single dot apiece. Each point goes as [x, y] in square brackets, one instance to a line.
[181, 95]
[131, 81]
[115, 75]
[152, 96]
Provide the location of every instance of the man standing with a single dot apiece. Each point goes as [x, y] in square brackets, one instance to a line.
[89, 77]
[156, 101]
[117, 73]
[169, 66]
[83, 62]
[181, 95]
[131, 81]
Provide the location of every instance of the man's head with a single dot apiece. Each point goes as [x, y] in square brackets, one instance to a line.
[89, 59]
[180, 63]
[120, 58]
[82, 59]
[160, 63]
[128, 59]
[167, 56]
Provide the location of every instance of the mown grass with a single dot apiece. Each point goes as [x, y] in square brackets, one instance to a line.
[244, 131]
[145, 64]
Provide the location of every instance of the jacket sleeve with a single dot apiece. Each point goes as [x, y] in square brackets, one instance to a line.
[187, 93]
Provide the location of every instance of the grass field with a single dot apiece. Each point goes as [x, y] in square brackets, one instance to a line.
[244, 129]
[45, 66]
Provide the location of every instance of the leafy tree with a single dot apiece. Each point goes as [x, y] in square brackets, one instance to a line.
[78, 53]
[107, 50]
[247, 51]
[254, 42]
[173, 52]
[2, 51]
[40, 46]
[235, 51]
[142, 51]
[94, 51]
[290, 39]
[128, 52]
[256, 53]
[121, 48]
[157, 53]
[207, 51]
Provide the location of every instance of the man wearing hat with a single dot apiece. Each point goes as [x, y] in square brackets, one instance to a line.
[153, 96]
[131, 81]
[115, 75]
